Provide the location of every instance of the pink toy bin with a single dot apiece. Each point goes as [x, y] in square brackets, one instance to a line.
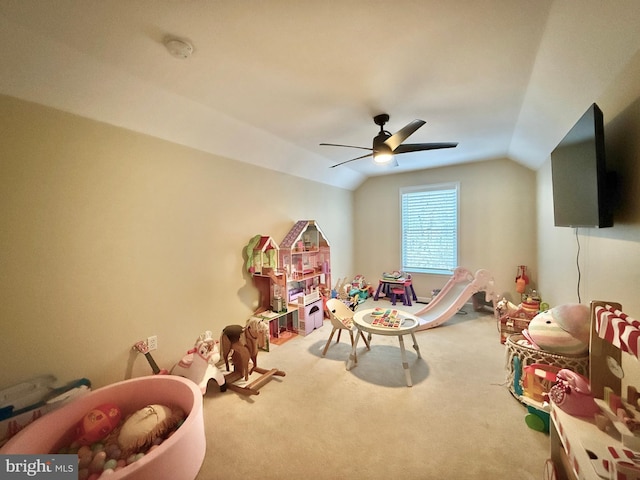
[179, 457]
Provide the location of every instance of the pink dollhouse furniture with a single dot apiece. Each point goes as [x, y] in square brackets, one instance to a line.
[179, 457]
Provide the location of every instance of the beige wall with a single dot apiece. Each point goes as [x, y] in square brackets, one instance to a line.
[497, 222]
[108, 236]
[609, 257]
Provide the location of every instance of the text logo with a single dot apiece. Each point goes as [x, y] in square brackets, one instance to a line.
[50, 467]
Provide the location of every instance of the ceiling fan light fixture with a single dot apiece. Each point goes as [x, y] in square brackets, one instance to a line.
[386, 145]
[382, 157]
[382, 153]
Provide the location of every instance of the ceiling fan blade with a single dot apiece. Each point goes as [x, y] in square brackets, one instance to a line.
[352, 160]
[347, 146]
[401, 135]
[419, 147]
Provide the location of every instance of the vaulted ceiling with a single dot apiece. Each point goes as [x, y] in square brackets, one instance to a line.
[270, 80]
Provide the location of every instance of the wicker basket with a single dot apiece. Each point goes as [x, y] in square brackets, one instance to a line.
[528, 355]
[512, 325]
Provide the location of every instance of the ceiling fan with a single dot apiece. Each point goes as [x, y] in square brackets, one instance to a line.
[385, 145]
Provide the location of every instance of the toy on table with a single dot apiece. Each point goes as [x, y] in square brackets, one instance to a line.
[385, 317]
[396, 275]
[143, 347]
[97, 423]
[563, 330]
[242, 344]
[199, 364]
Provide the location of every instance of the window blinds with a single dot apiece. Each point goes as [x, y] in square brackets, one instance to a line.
[430, 228]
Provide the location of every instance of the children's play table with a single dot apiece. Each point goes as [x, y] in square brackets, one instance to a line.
[385, 286]
[386, 321]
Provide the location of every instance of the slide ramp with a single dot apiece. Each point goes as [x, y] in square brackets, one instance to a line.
[456, 292]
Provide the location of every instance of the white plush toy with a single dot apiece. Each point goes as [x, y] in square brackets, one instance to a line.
[199, 364]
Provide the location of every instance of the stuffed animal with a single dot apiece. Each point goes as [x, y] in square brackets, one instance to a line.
[563, 329]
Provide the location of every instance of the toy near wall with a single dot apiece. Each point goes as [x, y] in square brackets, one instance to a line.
[199, 363]
[143, 348]
[358, 291]
[241, 344]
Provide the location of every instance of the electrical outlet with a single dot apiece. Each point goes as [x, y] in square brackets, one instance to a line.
[152, 343]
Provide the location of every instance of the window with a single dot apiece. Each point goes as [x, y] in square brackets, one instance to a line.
[429, 218]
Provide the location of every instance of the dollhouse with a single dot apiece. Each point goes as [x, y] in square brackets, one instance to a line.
[305, 257]
[290, 278]
[306, 262]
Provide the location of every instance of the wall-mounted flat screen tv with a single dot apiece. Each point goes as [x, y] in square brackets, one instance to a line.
[581, 183]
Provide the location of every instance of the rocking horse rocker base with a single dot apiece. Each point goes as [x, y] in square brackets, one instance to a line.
[251, 388]
[244, 345]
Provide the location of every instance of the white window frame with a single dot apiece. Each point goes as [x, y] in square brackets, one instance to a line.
[450, 258]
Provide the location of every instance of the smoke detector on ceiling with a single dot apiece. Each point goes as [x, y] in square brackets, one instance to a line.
[178, 48]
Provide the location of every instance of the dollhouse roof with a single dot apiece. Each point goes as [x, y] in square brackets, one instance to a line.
[296, 232]
[265, 243]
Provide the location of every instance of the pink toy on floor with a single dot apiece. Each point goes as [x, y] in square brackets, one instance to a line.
[452, 297]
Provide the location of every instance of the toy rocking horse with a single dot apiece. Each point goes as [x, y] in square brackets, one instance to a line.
[242, 344]
[199, 363]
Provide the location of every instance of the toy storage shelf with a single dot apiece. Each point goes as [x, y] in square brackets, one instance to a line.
[578, 446]
[578, 435]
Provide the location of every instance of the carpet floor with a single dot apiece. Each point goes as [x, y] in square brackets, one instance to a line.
[320, 421]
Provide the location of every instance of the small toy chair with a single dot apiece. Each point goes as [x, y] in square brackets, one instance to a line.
[398, 293]
[341, 318]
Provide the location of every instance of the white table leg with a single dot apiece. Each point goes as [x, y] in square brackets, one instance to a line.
[405, 364]
[353, 359]
[415, 345]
